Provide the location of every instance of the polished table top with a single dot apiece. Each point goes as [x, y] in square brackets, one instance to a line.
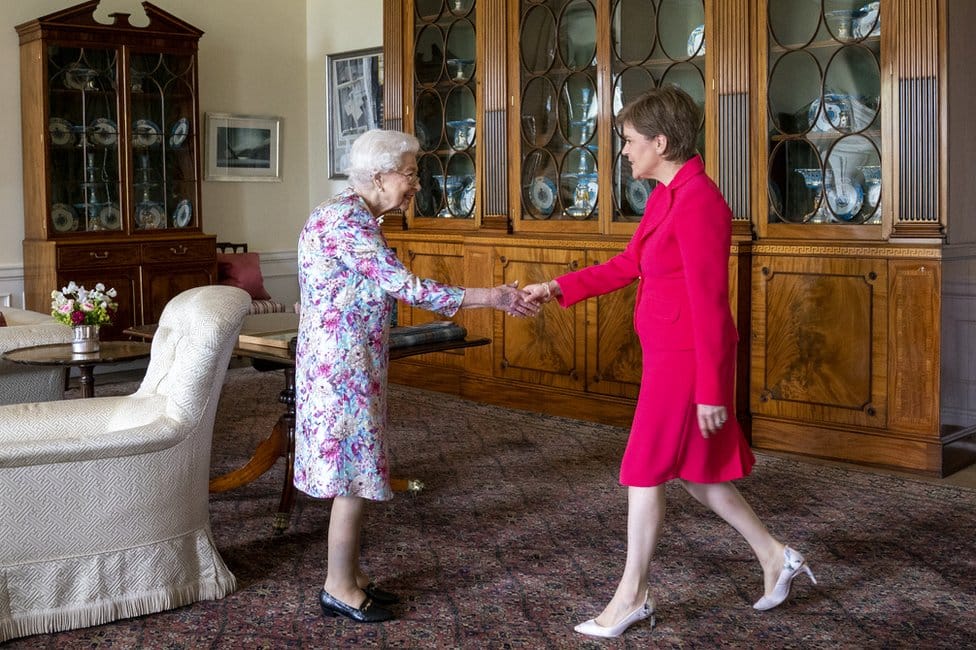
[256, 325]
[60, 354]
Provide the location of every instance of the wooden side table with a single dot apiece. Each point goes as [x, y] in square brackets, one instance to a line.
[60, 354]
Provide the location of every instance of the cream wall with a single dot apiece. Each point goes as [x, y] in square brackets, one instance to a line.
[256, 57]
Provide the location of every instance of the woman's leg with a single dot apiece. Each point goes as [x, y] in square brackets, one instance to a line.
[645, 516]
[725, 500]
[345, 524]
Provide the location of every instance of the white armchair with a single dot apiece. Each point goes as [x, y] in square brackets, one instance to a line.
[103, 501]
[20, 383]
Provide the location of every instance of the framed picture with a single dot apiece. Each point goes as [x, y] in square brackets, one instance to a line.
[354, 83]
[243, 148]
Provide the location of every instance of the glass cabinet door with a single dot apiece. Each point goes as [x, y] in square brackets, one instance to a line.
[564, 173]
[653, 43]
[559, 110]
[824, 112]
[163, 127]
[444, 108]
[83, 139]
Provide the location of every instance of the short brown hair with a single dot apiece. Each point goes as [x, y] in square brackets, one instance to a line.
[667, 111]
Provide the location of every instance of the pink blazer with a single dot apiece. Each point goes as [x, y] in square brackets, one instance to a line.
[679, 255]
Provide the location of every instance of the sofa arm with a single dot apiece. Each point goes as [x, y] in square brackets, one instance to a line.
[84, 430]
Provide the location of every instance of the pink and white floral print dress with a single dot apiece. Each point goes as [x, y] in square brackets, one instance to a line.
[349, 279]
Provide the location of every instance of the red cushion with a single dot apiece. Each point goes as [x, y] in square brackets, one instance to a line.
[3, 321]
[242, 270]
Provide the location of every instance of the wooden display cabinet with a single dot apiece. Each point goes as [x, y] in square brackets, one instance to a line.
[111, 160]
[853, 260]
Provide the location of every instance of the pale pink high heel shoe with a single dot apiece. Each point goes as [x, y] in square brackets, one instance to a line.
[592, 628]
[793, 565]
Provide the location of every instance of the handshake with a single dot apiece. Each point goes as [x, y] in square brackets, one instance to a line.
[523, 302]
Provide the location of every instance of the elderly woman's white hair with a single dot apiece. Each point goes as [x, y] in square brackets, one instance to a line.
[378, 151]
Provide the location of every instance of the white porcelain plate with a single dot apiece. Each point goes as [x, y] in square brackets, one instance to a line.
[696, 44]
[150, 215]
[63, 217]
[146, 133]
[178, 133]
[637, 192]
[845, 200]
[60, 130]
[542, 194]
[183, 214]
[109, 217]
[104, 132]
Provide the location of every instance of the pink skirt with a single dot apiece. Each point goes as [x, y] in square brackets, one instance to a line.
[665, 441]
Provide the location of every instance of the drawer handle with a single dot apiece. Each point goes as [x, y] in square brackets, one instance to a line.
[179, 251]
[98, 256]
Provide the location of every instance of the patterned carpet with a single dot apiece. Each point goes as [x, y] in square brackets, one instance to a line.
[519, 534]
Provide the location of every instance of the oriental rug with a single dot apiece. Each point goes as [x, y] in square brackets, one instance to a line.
[520, 533]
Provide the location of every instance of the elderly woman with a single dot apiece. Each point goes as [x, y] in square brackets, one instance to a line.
[684, 426]
[349, 280]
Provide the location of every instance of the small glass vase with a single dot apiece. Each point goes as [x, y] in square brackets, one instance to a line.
[84, 339]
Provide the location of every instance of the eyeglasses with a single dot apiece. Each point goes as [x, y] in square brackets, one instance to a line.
[413, 178]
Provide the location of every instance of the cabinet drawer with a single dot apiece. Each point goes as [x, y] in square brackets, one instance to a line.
[98, 256]
[178, 251]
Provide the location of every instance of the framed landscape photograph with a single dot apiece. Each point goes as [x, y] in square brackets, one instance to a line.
[243, 148]
[354, 84]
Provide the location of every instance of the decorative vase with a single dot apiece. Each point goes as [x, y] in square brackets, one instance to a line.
[85, 339]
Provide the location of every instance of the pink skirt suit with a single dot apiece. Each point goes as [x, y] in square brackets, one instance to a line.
[679, 256]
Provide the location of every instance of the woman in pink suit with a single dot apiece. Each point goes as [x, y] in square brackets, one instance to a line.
[683, 426]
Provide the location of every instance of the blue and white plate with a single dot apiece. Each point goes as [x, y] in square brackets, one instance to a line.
[146, 133]
[178, 133]
[638, 190]
[150, 215]
[63, 217]
[183, 214]
[104, 132]
[109, 217]
[61, 132]
[542, 194]
[837, 112]
[696, 41]
[845, 200]
[467, 199]
[866, 22]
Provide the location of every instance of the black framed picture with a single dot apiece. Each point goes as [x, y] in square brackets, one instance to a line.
[354, 83]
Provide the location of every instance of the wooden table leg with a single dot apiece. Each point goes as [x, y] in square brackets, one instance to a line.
[287, 422]
[281, 442]
[86, 379]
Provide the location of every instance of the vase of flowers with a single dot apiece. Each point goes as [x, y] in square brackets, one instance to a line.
[85, 311]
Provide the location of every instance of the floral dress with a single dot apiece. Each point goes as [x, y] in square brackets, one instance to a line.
[349, 280]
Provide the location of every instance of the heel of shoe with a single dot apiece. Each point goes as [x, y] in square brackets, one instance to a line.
[806, 570]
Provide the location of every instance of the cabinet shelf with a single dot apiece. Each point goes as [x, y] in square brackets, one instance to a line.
[824, 44]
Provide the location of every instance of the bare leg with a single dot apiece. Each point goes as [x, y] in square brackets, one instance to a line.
[345, 524]
[645, 516]
[725, 500]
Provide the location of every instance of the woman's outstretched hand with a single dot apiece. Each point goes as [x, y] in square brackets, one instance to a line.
[505, 297]
[514, 301]
[542, 292]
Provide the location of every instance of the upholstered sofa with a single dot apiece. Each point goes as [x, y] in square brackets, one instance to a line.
[20, 383]
[103, 501]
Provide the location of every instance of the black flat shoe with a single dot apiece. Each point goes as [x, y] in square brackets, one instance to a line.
[365, 613]
[381, 596]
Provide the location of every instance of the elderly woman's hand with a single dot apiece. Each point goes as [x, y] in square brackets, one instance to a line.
[505, 297]
[514, 301]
